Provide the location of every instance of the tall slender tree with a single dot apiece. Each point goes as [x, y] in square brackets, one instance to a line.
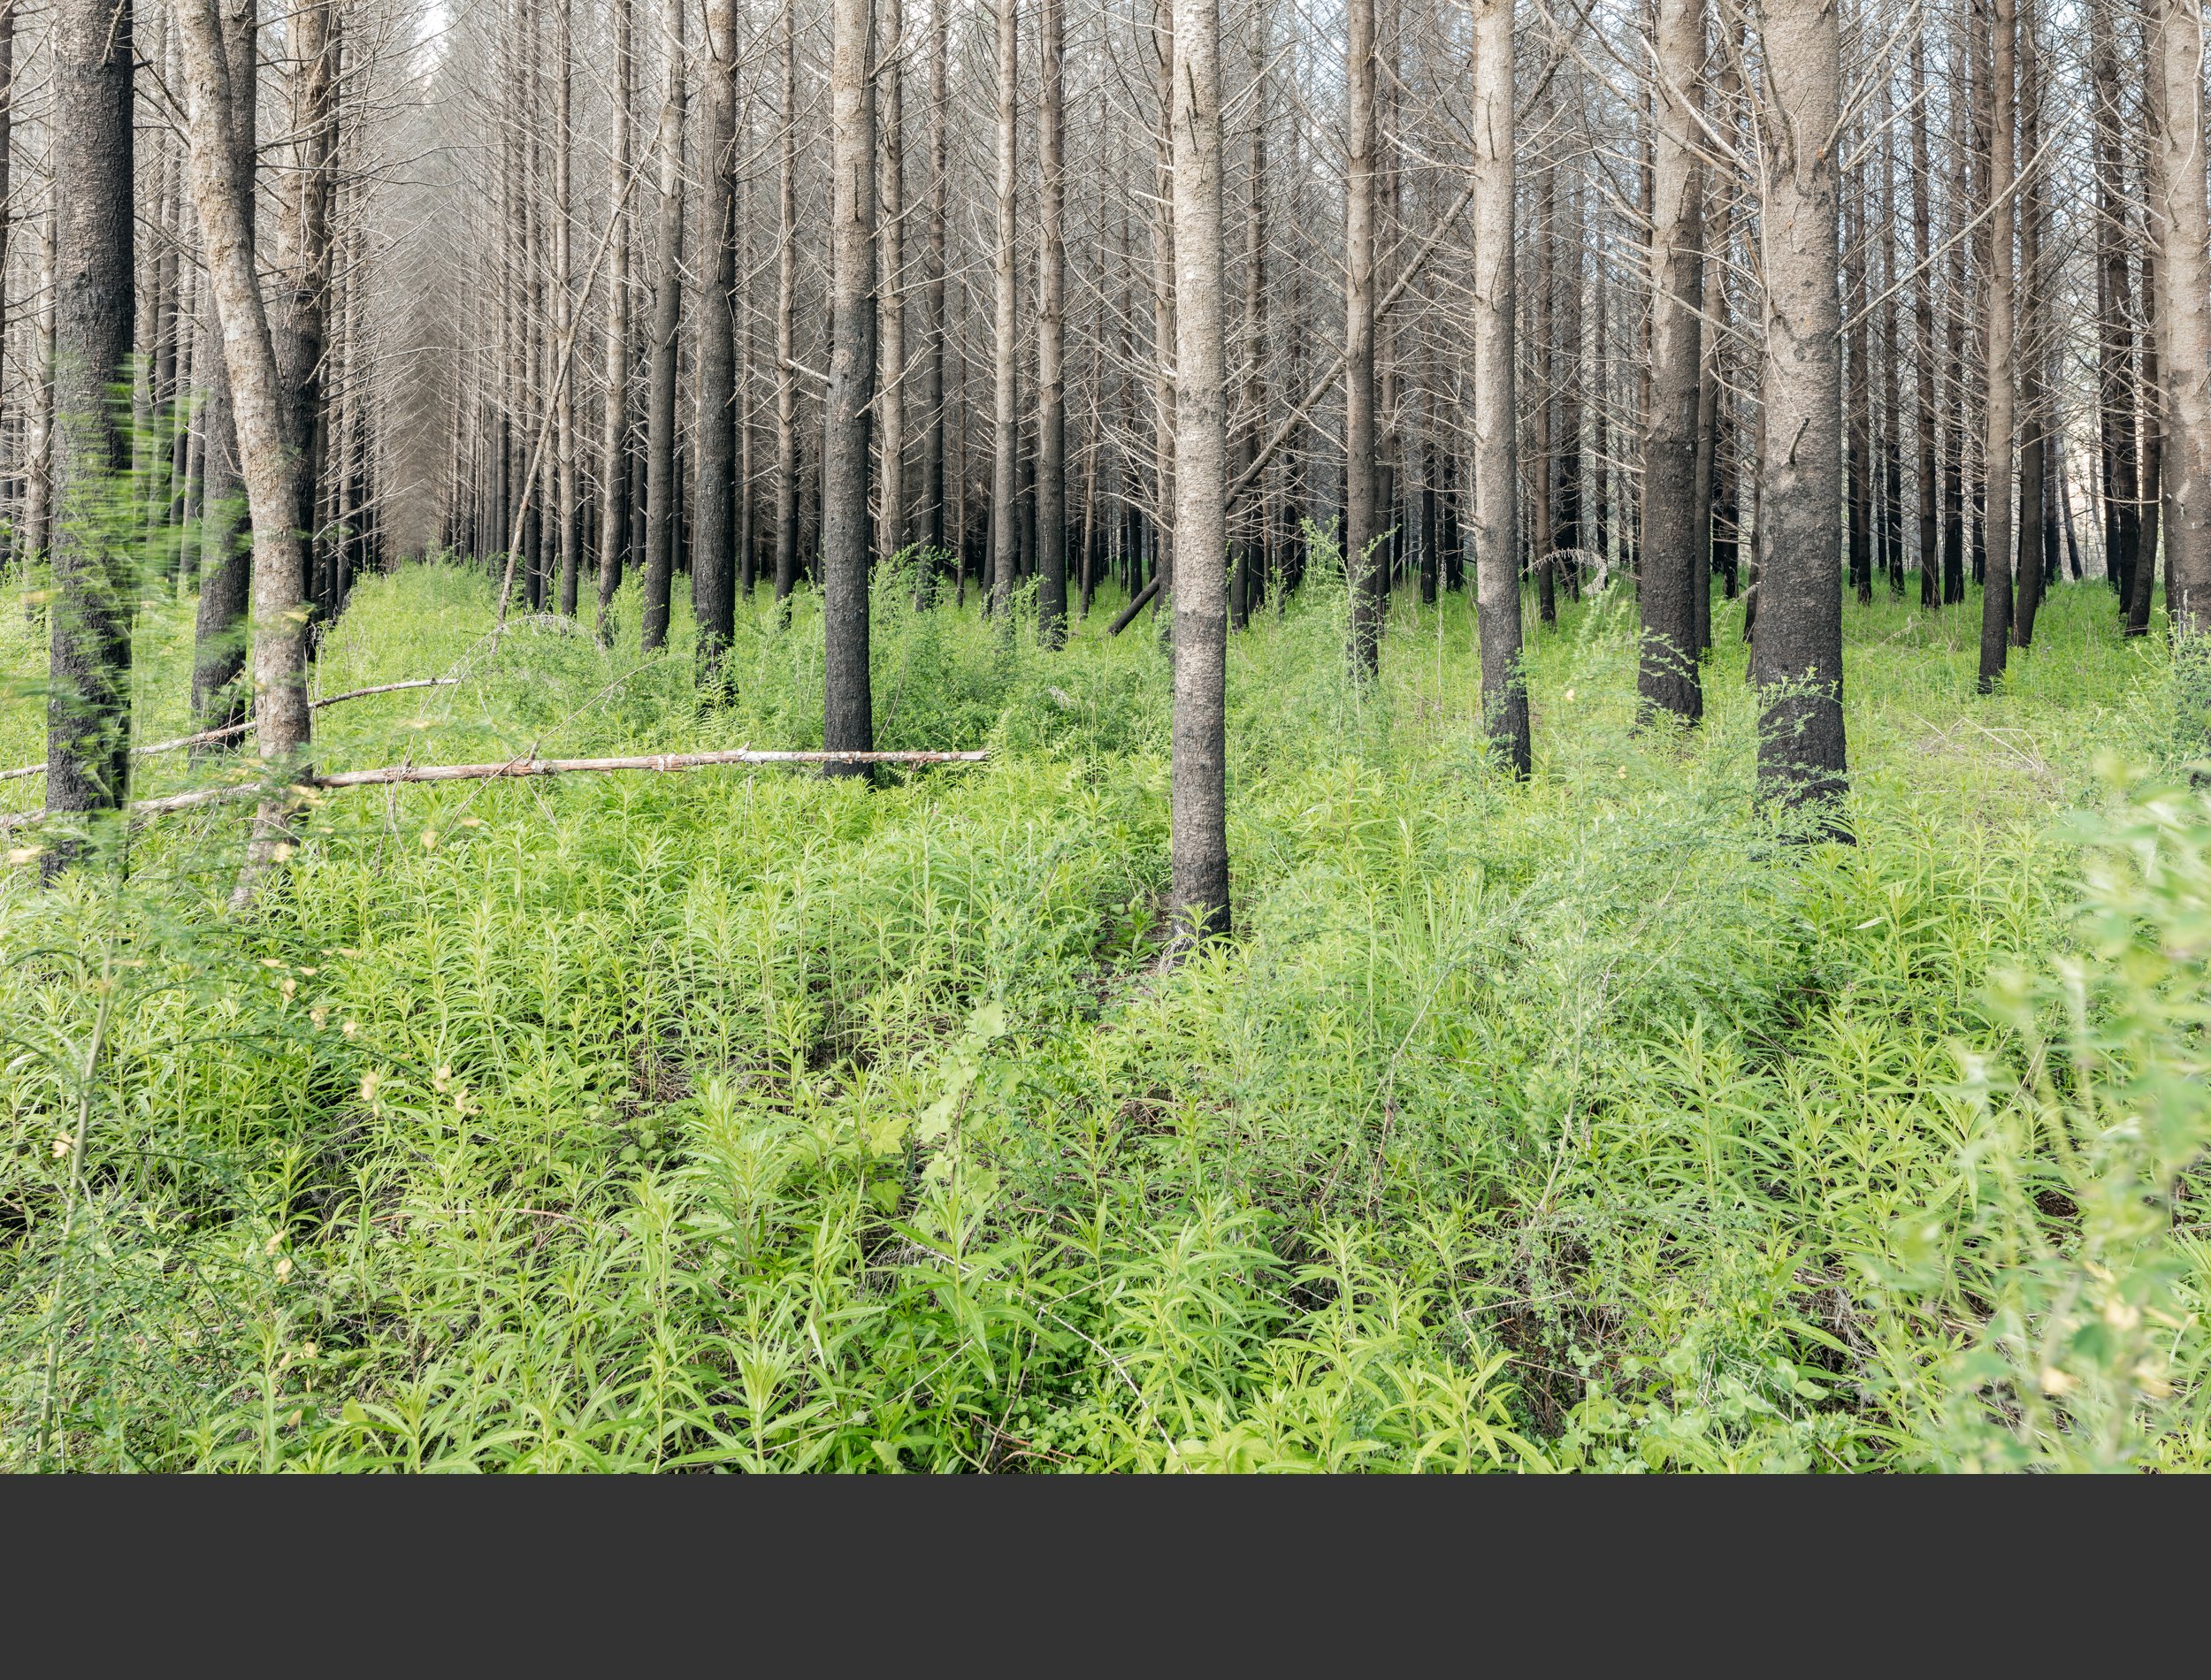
[268, 456]
[713, 501]
[1051, 307]
[849, 713]
[891, 532]
[1199, 843]
[1796, 648]
[1496, 459]
[661, 528]
[1999, 343]
[1362, 531]
[2183, 227]
[89, 701]
[1667, 674]
[613, 431]
[1004, 418]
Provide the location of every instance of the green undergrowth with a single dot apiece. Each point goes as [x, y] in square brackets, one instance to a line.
[745, 1118]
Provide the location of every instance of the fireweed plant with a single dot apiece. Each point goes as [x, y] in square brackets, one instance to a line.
[752, 1120]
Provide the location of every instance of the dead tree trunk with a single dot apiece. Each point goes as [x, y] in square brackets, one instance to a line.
[614, 434]
[1052, 308]
[891, 525]
[1200, 903]
[1497, 456]
[1796, 650]
[2185, 313]
[668, 309]
[713, 501]
[1923, 335]
[1996, 448]
[226, 566]
[88, 703]
[1361, 531]
[933, 396]
[2033, 519]
[786, 310]
[266, 454]
[2115, 327]
[848, 716]
[1005, 420]
[1667, 672]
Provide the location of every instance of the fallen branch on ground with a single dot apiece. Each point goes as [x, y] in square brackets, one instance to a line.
[208, 737]
[391, 773]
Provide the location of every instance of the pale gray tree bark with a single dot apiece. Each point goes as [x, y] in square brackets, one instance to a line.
[1361, 524]
[713, 497]
[786, 312]
[566, 462]
[226, 565]
[891, 516]
[267, 456]
[848, 724]
[1495, 446]
[1199, 839]
[614, 433]
[1051, 308]
[933, 303]
[2183, 321]
[1004, 417]
[1796, 646]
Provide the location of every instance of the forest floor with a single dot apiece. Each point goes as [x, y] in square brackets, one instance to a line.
[748, 1118]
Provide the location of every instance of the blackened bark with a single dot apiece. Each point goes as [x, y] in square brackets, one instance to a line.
[88, 703]
[1796, 652]
[1667, 671]
[668, 305]
[1997, 437]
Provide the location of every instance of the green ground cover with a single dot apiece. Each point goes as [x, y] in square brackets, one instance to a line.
[748, 1120]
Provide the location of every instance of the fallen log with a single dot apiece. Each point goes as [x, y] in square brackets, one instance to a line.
[208, 737]
[392, 774]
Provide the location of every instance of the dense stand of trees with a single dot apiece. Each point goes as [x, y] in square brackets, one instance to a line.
[1158, 295]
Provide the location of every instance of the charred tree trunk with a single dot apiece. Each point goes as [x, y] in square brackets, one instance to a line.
[1667, 672]
[667, 311]
[1996, 449]
[1796, 653]
[614, 433]
[89, 701]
